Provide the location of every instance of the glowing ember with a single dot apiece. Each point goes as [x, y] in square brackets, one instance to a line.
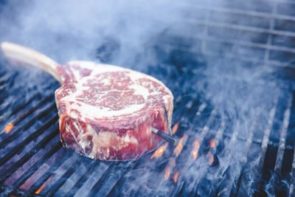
[40, 189]
[196, 147]
[179, 146]
[175, 128]
[8, 127]
[160, 151]
[176, 176]
[212, 143]
[210, 157]
[167, 173]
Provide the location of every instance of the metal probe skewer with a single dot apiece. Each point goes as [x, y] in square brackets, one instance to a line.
[165, 136]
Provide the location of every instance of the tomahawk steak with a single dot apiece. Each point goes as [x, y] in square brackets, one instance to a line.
[106, 112]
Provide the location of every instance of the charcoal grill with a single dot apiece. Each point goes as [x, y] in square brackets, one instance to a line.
[212, 157]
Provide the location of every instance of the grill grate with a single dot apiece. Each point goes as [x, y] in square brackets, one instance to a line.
[33, 161]
[256, 36]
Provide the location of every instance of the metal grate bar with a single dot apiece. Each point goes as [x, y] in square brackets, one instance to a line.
[16, 108]
[269, 36]
[244, 29]
[21, 105]
[117, 183]
[203, 113]
[188, 121]
[33, 136]
[292, 186]
[26, 157]
[269, 149]
[285, 156]
[212, 150]
[289, 146]
[100, 182]
[235, 11]
[50, 171]
[241, 59]
[15, 134]
[267, 131]
[204, 131]
[2, 74]
[114, 178]
[10, 84]
[235, 184]
[41, 161]
[108, 180]
[35, 167]
[189, 106]
[243, 138]
[50, 190]
[6, 78]
[45, 112]
[220, 132]
[263, 147]
[199, 138]
[224, 170]
[82, 179]
[246, 12]
[287, 163]
[32, 109]
[246, 45]
[195, 109]
[178, 189]
[199, 118]
[283, 134]
[182, 108]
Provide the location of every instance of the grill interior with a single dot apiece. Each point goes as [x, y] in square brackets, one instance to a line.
[34, 162]
[215, 155]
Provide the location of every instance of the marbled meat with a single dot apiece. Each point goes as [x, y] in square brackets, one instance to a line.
[108, 112]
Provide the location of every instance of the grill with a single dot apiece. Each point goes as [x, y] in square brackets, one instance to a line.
[217, 153]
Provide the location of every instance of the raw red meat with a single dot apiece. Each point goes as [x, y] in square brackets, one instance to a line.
[106, 112]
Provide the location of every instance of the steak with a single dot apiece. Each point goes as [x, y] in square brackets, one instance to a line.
[106, 112]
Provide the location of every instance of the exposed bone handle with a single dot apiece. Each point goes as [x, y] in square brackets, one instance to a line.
[31, 57]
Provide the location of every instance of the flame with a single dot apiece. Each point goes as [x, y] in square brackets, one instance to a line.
[213, 143]
[160, 151]
[210, 158]
[167, 173]
[176, 176]
[175, 128]
[196, 147]
[179, 146]
[40, 189]
[8, 127]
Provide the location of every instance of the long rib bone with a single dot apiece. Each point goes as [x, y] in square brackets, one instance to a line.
[30, 57]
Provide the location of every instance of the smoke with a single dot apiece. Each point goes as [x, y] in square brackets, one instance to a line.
[122, 32]
[133, 34]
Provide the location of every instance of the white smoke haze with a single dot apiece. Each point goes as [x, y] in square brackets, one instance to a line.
[124, 33]
[72, 29]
